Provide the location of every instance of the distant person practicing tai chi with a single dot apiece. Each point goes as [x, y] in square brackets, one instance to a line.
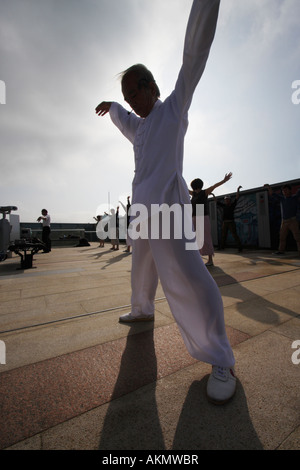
[100, 233]
[113, 228]
[200, 196]
[289, 204]
[156, 129]
[228, 223]
[46, 220]
[127, 210]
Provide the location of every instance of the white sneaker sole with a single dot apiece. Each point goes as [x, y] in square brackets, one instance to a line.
[219, 402]
[135, 319]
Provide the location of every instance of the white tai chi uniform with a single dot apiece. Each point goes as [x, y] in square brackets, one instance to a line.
[158, 141]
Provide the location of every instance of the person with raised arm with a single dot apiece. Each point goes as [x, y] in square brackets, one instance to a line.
[156, 130]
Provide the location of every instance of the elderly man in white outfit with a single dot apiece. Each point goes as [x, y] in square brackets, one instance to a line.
[157, 131]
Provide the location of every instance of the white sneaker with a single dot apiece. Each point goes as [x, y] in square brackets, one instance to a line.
[221, 385]
[129, 318]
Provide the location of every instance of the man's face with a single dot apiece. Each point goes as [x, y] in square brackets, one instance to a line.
[140, 98]
[286, 192]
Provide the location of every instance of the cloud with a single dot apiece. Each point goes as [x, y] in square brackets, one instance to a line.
[59, 59]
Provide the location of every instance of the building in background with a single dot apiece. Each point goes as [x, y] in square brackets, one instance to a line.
[257, 218]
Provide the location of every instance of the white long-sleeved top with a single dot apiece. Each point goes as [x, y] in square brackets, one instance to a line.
[158, 139]
[46, 221]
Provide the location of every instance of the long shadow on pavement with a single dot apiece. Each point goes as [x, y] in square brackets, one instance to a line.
[132, 424]
[204, 426]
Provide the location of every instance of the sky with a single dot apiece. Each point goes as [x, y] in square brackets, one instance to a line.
[60, 58]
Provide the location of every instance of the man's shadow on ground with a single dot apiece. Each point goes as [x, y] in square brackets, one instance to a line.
[204, 426]
[133, 422]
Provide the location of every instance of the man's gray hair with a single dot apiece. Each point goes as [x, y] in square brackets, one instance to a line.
[144, 76]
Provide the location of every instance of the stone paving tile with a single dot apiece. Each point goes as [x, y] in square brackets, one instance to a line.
[62, 375]
[41, 395]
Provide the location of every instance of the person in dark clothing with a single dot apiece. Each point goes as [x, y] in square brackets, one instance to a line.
[289, 205]
[45, 219]
[114, 229]
[199, 196]
[228, 208]
[127, 210]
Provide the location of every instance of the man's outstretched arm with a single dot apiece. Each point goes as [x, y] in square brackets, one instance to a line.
[199, 36]
[103, 108]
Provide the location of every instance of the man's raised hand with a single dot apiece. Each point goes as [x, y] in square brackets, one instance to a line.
[103, 108]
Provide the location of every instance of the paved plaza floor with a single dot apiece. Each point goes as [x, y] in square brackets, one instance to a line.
[75, 378]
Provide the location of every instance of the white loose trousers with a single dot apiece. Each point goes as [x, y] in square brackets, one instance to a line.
[158, 142]
[191, 292]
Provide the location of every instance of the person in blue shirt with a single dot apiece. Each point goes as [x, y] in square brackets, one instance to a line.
[289, 205]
